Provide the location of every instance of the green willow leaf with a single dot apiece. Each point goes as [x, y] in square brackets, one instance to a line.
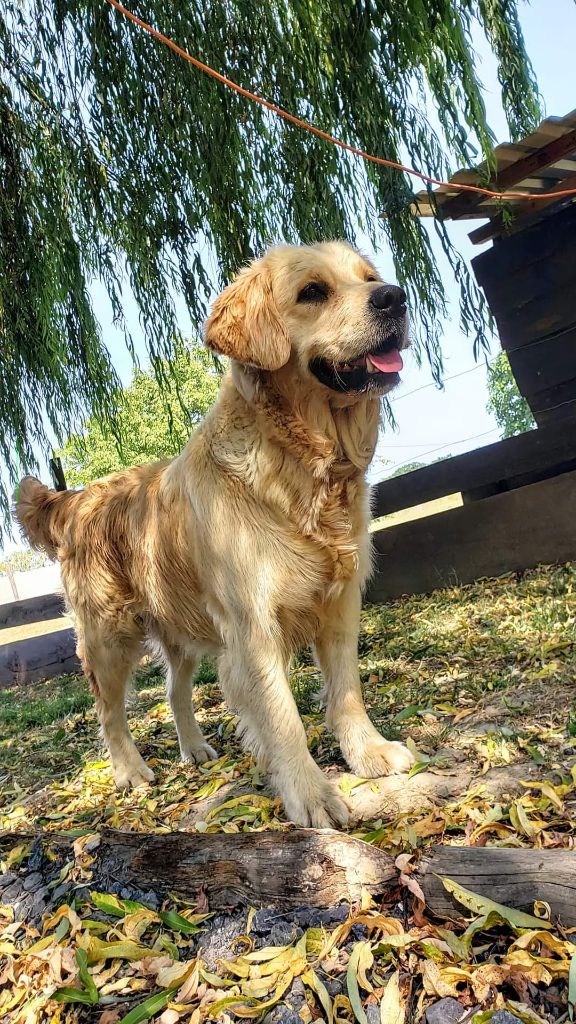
[124, 167]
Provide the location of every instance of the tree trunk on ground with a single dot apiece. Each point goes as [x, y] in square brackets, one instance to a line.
[316, 867]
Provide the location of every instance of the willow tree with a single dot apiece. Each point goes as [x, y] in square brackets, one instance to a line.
[122, 163]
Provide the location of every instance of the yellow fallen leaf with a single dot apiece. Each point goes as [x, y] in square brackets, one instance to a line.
[134, 925]
[521, 821]
[125, 950]
[563, 947]
[37, 947]
[482, 905]
[311, 979]
[173, 973]
[169, 1016]
[392, 1009]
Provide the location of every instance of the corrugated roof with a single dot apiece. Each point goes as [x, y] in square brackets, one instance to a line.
[542, 162]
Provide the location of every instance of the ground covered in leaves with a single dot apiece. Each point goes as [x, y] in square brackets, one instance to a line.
[479, 679]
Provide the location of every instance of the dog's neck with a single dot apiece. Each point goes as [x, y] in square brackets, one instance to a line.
[334, 438]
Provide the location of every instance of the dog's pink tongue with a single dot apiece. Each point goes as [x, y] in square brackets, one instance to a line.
[388, 362]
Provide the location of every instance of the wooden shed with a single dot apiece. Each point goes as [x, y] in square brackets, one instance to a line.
[519, 495]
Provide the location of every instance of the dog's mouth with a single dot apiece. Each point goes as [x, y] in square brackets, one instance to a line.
[374, 371]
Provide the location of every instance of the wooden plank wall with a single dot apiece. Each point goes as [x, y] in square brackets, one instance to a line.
[529, 279]
[37, 657]
[526, 458]
[517, 529]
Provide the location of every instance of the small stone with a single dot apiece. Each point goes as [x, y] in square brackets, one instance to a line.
[12, 892]
[307, 917]
[373, 1013]
[296, 997]
[148, 899]
[7, 878]
[334, 987]
[282, 1015]
[504, 1017]
[42, 895]
[38, 906]
[60, 891]
[445, 1011]
[32, 882]
[358, 933]
[312, 917]
[21, 907]
[36, 856]
[285, 933]
[334, 915]
[216, 944]
[264, 920]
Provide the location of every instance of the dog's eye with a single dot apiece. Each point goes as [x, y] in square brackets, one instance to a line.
[371, 278]
[313, 292]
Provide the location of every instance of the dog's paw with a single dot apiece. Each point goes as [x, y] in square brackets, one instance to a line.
[200, 753]
[376, 757]
[316, 805]
[132, 774]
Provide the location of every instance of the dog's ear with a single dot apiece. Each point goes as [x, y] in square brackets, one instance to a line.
[245, 323]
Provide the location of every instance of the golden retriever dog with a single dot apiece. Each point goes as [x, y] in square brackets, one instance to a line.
[254, 541]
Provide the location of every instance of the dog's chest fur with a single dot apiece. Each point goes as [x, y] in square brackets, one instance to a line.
[309, 479]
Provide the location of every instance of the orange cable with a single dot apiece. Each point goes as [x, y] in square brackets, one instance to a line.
[317, 131]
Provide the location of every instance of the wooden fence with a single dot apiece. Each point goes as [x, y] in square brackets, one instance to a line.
[36, 657]
[519, 510]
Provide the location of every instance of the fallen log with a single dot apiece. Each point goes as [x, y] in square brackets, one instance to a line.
[514, 877]
[316, 867]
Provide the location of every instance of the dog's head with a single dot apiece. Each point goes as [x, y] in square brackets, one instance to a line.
[322, 308]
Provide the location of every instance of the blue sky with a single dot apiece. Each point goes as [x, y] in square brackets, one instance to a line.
[436, 422]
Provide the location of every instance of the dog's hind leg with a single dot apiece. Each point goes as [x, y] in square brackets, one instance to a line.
[108, 662]
[181, 668]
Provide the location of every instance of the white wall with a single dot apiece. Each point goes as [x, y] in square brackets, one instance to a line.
[32, 583]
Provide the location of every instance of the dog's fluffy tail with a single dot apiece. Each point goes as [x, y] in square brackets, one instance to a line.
[42, 513]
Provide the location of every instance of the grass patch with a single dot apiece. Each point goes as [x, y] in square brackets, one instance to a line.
[72, 696]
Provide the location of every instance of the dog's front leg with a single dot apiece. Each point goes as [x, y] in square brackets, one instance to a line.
[366, 751]
[254, 679]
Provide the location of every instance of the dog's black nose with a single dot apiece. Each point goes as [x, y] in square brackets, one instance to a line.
[389, 299]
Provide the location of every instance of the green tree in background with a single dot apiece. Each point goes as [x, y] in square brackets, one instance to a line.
[22, 561]
[510, 409]
[410, 467]
[121, 163]
[153, 422]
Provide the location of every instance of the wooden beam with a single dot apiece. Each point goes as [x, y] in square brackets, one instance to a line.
[31, 609]
[523, 214]
[512, 175]
[319, 867]
[38, 658]
[531, 453]
[507, 532]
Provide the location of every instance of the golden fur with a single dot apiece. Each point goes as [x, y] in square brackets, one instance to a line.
[249, 544]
